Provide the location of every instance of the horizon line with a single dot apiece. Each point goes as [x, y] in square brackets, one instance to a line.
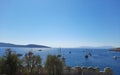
[83, 46]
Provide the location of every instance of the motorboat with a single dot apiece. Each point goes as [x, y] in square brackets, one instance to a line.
[115, 57]
[86, 56]
[39, 50]
[69, 52]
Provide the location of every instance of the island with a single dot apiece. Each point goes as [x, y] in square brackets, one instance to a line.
[27, 46]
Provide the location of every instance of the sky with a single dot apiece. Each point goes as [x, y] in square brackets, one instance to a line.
[60, 23]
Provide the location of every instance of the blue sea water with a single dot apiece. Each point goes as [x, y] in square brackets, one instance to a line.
[100, 57]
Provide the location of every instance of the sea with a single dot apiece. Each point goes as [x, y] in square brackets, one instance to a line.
[75, 56]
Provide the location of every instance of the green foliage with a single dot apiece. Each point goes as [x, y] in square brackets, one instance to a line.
[25, 71]
[32, 62]
[1, 64]
[9, 63]
[54, 65]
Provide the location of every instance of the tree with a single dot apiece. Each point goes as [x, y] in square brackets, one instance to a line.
[32, 61]
[54, 65]
[9, 63]
[1, 64]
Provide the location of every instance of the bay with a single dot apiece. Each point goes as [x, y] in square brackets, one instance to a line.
[75, 56]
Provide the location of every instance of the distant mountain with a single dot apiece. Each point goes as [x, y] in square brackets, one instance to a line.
[28, 46]
[100, 47]
[105, 47]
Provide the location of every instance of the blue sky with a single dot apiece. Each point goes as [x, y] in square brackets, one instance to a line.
[60, 23]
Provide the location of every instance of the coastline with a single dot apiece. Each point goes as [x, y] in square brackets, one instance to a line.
[115, 49]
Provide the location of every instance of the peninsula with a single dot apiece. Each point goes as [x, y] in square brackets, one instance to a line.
[115, 49]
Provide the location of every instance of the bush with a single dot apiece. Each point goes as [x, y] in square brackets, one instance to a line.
[54, 65]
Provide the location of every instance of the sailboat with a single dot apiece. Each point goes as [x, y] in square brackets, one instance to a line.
[59, 53]
[87, 54]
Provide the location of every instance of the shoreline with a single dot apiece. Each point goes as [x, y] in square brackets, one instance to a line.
[115, 49]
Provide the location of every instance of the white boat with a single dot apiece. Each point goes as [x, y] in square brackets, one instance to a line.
[115, 57]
